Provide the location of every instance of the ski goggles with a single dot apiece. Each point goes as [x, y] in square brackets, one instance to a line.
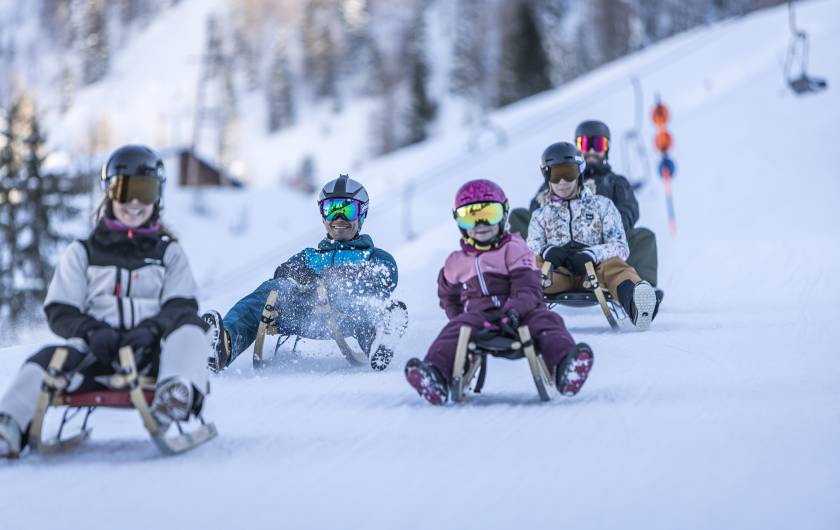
[599, 143]
[487, 212]
[567, 172]
[349, 209]
[126, 188]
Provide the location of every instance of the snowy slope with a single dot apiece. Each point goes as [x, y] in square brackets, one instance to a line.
[726, 414]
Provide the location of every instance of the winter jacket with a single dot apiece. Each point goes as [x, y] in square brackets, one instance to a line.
[122, 278]
[354, 266]
[503, 278]
[614, 187]
[590, 221]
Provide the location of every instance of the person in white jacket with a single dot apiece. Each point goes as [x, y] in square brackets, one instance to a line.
[128, 283]
[574, 226]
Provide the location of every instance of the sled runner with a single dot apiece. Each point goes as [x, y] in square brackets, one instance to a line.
[471, 359]
[125, 389]
[267, 326]
[353, 357]
[612, 310]
[325, 310]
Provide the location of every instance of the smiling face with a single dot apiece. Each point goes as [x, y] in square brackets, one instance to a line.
[484, 232]
[340, 229]
[133, 213]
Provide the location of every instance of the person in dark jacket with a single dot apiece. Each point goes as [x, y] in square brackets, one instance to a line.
[127, 284]
[359, 279]
[592, 138]
[494, 279]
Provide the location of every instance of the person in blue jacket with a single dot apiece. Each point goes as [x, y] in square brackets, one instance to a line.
[359, 279]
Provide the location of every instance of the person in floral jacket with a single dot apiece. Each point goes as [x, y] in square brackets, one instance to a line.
[574, 226]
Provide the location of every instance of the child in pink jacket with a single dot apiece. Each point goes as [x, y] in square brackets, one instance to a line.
[494, 279]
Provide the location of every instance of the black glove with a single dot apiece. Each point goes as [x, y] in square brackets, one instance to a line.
[144, 339]
[557, 256]
[103, 342]
[300, 274]
[578, 261]
[510, 321]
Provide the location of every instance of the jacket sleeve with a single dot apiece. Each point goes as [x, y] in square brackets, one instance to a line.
[178, 280]
[297, 269]
[536, 233]
[178, 296]
[614, 241]
[526, 292]
[449, 295]
[625, 201]
[67, 321]
[65, 301]
[381, 275]
[175, 313]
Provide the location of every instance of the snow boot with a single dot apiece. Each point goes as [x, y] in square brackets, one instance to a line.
[10, 437]
[379, 340]
[427, 381]
[573, 370]
[381, 358]
[639, 301]
[173, 401]
[396, 319]
[219, 340]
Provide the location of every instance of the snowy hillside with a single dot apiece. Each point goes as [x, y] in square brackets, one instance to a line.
[726, 414]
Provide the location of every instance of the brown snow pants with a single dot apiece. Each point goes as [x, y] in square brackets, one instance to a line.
[610, 274]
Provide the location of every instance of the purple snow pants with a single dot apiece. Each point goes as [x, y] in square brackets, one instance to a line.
[550, 335]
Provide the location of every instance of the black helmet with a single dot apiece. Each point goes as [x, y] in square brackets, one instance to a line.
[346, 188]
[592, 128]
[133, 161]
[560, 153]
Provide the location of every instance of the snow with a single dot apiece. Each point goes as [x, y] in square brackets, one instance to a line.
[725, 414]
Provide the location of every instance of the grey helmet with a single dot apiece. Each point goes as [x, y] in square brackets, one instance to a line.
[560, 153]
[346, 188]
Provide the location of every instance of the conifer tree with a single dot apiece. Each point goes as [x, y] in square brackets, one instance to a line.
[525, 68]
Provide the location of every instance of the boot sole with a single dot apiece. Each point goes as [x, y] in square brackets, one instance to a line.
[381, 358]
[214, 320]
[644, 301]
[422, 383]
[579, 367]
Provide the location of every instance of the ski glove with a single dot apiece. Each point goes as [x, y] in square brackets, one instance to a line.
[557, 256]
[578, 261]
[144, 339]
[298, 273]
[103, 342]
[506, 321]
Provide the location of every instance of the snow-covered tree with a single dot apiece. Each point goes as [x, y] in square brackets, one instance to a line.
[32, 207]
[322, 47]
[421, 109]
[97, 54]
[279, 96]
[525, 68]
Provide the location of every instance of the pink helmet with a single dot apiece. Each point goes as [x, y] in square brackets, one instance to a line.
[480, 190]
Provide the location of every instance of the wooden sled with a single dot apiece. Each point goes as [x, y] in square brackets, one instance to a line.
[597, 295]
[268, 326]
[471, 359]
[126, 389]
